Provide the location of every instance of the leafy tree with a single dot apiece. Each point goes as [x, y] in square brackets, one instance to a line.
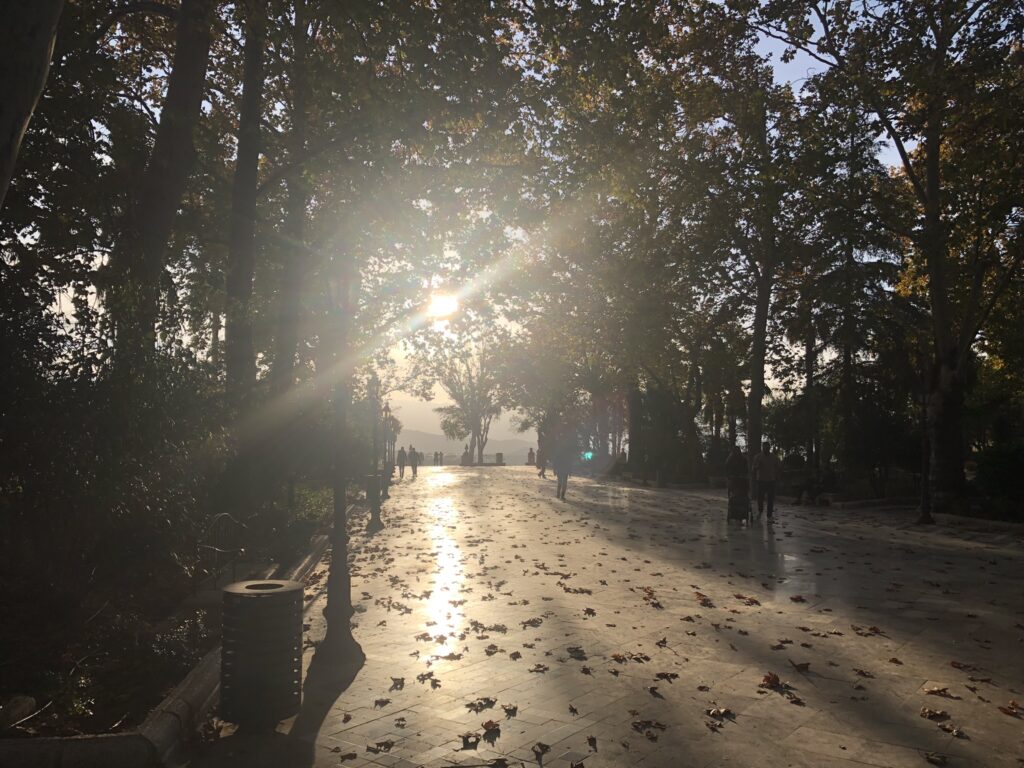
[932, 76]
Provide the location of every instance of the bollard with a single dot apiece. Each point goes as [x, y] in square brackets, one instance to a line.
[261, 654]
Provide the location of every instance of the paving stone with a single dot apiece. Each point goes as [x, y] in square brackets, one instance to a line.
[522, 595]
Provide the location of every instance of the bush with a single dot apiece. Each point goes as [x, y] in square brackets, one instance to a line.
[1000, 468]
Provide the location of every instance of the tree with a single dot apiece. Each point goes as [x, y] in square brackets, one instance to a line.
[933, 75]
[26, 46]
[239, 353]
[466, 369]
[138, 257]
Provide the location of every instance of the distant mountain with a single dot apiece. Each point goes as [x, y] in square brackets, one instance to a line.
[426, 442]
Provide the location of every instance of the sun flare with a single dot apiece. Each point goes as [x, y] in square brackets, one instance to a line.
[442, 305]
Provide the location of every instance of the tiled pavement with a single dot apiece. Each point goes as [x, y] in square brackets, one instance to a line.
[614, 621]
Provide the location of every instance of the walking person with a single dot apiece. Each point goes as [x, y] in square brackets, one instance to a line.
[414, 461]
[563, 459]
[542, 462]
[766, 473]
[401, 462]
[738, 485]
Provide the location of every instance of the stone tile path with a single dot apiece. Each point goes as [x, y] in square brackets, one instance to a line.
[632, 626]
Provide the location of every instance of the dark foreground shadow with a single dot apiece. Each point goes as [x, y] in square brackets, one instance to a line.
[326, 679]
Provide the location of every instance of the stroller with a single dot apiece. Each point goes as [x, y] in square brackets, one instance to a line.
[739, 500]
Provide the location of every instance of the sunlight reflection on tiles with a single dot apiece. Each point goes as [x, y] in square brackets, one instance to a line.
[448, 578]
[440, 479]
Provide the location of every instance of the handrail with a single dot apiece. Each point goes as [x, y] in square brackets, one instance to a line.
[212, 540]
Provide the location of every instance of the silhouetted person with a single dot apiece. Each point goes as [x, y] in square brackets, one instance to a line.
[562, 459]
[531, 457]
[542, 462]
[766, 473]
[414, 460]
[401, 463]
[738, 485]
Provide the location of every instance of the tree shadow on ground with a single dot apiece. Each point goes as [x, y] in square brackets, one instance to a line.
[326, 680]
[891, 715]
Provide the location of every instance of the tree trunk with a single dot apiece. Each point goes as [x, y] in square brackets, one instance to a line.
[718, 416]
[636, 452]
[292, 246]
[810, 364]
[946, 390]
[758, 349]
[216, 352]
[946, 438]
[27, 35]
[733, 432]
[239, 354]
[925, 509]
[138, 255]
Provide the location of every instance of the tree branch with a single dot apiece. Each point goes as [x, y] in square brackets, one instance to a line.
[139, 6]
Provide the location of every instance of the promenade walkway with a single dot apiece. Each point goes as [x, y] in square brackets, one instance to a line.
[631, 627]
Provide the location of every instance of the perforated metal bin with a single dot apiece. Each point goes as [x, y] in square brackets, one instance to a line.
[261, 652]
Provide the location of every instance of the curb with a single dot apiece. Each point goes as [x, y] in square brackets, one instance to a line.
[159, 738]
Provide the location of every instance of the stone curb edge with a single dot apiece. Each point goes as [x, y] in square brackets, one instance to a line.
[161, 734]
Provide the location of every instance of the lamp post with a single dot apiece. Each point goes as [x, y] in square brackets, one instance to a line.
[338, 644]
[386, 469]
[373, 481]
[375, 407]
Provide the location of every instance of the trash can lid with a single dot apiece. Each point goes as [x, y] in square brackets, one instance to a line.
[260, 587]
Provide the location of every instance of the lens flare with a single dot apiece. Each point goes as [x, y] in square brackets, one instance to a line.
[442, 305]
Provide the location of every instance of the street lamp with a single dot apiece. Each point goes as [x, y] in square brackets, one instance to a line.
[385, 475]
[375, 407]
[373, 482]
[339, 645]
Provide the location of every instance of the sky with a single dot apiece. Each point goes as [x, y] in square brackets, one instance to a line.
[419, 415]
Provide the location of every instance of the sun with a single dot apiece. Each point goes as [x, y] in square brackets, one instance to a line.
[442, 305]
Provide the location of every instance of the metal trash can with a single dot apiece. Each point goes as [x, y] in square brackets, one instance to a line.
[499, 459]
[261, 652]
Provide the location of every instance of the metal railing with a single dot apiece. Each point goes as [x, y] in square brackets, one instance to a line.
[222, 541]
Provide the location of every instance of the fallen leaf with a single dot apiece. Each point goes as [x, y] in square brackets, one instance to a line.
[481, 704]
[953, 730]
[770, 680]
